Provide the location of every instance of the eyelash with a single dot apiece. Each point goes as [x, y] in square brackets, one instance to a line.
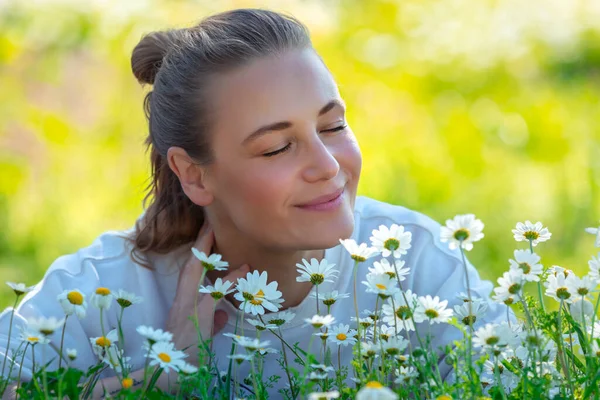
[286, 148]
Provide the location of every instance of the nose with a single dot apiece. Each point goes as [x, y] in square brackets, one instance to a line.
[322, 164]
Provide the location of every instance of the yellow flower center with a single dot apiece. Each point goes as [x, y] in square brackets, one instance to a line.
[443, 397]
[33, 339]
[531, 235]
[164, 357]
[341, 336]
[75, 298]
[256, 300]
[102, 291]
[358, 258]
[127, 383]
[380, 286]
[374, 385]
[102, 341]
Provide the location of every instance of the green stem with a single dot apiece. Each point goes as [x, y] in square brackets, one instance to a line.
[355, 271]
[10, 323]
[20, 369]
[62, 341]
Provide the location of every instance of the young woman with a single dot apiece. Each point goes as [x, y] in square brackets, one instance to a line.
[252, 158]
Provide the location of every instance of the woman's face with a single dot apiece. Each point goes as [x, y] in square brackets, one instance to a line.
[280, 141]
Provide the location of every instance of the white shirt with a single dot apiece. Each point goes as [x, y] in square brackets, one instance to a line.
[434, 270]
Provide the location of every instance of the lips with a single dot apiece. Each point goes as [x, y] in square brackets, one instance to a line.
[323, 199]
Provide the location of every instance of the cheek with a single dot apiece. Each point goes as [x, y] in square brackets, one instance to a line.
[259, 188]
[350, 158]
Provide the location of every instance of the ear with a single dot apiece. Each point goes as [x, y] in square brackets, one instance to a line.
[192, 176]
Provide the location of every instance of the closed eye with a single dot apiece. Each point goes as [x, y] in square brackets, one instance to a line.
[287, 147]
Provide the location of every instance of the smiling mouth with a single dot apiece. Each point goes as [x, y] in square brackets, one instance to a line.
[324, 199]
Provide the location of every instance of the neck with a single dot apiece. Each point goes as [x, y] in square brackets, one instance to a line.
[280, 265]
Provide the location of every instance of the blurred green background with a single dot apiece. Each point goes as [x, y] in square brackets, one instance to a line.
[489, 107]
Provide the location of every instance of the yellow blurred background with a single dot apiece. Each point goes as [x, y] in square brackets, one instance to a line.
[489, 107]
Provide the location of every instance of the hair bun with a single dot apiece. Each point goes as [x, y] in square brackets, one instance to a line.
[147, 56]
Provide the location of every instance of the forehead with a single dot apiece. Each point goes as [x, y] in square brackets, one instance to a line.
[292, 85]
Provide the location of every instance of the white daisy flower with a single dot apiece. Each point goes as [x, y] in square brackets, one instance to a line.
[316, 272]
[73, 302]
[385, 331]
[433, 310]
[324, 395]
[462, 231]
[72, 354]
[527, 231]
[318, 321]
[596, 232]
[382, 285]
[394, 345]
[594, 265]
[402, 311]
[212, 262]
[342, 335]
[259, 325]
[20, 288]
[358, 253]
[33, 336]
[240, 358]
[280, 318]
[580, 287]
[370, 349]
[393, 240]
[101, 343]
[374, 390]
[555, 270]
[508, 380]
[154, 335]
[187, 369]
[528, 263]
[126, 299]
[316, 376]
[557, 287]
[405, 375]
[251, 344]
[329, 298]
[46, 326]
[581, 307]
[511, 284]
[255, 295]
[363, 322]
[384, 267]
[493, 338]
[113, 357]
[102, 298]
[165, 355]
[220, 289]
[478, 310]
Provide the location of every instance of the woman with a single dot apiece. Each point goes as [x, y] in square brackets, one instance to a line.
[252, 158]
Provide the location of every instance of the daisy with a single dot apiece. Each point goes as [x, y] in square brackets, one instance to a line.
[316, 272]
[374, 390]
[466, 317]
[596, 232]
[33, 336]
[324, 395]
[256, 295]
[114, 358]
[342, 335]
[528, 232]
[251, 344]
[382, 285]
[72, 354]
[511, 283]
[581, 307]
[316, 377]
[358, 253]
[259, 325]
[403, 313]
[280, 318]
[187, 369]
[318, 321]
[46, 326]
[433, 310]
[386, 331]
[406, 375]
[102, 298]
[73, 302]
[580, 287]
[594, 265]
[212, 262]
[154, 335]
[165, 355]
[126, 299]
[322, 368]
[329, 298]
[391, 241]
[462, 231]
[20, 288]
[493, 338]
[384, 267]
[370, 349]
[528, 263]
[557, 287]
[395, 345]
[240, 358]
[102, 343]
[219, 290]
[508, 380]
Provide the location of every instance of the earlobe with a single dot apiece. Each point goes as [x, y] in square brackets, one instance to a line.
[192, 176]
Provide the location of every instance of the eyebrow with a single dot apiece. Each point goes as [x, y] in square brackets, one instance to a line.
[280, 126]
